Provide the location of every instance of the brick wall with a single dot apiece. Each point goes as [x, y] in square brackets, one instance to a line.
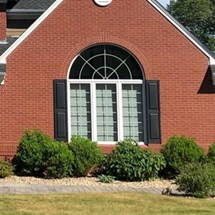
[2, 25]
[186, 91]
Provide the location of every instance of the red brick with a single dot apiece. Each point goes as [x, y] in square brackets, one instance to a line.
[26, 99]
[2, 25]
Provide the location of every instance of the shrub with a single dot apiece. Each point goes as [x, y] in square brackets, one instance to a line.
[39, 156]
[87, 155]
[178, 151]
[58, 161]
[6, 168]
[211, 153]
[131, 163]
[197, 179]
[30, 154]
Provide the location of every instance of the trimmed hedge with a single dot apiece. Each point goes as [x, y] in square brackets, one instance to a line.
[129, 162]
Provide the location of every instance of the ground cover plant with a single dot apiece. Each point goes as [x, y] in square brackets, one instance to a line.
[106, 178]
[105, 204]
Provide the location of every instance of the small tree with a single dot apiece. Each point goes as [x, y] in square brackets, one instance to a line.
[198, 16]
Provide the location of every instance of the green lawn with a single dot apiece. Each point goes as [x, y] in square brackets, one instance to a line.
[104, 203]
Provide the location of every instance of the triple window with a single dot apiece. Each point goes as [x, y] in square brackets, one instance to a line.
[106, 96]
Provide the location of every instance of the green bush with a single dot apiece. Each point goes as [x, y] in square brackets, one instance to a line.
[129, 162]
[211, 153]
[31, 153]
[197, 179]
[87, 155]
[178, 151]
[6, 168]
[58, 161]
[39, 156]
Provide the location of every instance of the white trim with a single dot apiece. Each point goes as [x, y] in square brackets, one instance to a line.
[115, 142]
[103, 3]
[93, 111]
[119, 110]
[3, 57]
[68, 112]
[92, 83]
[172, 21]
[106, 81]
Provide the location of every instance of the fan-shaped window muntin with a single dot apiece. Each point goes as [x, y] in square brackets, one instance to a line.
[104, 104]
[110, 60]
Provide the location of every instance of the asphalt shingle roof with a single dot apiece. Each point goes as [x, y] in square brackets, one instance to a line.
[2, 70]
[8, 42]
[33, 4]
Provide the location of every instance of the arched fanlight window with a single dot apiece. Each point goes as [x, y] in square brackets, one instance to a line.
[105, 62]
[105, 89]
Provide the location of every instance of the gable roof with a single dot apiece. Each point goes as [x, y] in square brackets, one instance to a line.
[187, 34]
[25, 12]
[4, 45]
[182, 29]
[154, 3]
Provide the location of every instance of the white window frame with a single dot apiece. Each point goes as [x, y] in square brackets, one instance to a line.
[92, 83]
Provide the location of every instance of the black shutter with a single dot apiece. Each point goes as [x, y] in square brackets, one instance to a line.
[153, 111]
[60, 111]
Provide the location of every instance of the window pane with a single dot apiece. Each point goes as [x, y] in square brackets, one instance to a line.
[106, 62]
[132, 111]
[106, 112]
[80, 110]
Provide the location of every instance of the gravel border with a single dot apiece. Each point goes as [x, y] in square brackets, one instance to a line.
[87, 181]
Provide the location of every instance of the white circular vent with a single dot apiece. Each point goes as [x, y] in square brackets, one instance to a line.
[103, 3]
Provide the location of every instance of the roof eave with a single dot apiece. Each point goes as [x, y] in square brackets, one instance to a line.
[3, 57]
[3, 1]
[2, 73]
[213, 73]
[23, 14]
[207, 52]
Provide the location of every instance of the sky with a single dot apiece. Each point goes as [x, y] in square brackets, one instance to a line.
[163, 2]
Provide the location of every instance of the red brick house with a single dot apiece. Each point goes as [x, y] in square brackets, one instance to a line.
[106, 70]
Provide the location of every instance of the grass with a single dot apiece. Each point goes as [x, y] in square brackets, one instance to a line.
[103, 204]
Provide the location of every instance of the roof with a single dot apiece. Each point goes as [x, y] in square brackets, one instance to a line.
[5, 44]
[180, 26]
[25, 12]
[38, 4]
[33, 4]
[207, 52]
[2, 69]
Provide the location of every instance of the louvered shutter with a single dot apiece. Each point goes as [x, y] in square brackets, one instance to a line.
[60, 110]
[153, 111]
